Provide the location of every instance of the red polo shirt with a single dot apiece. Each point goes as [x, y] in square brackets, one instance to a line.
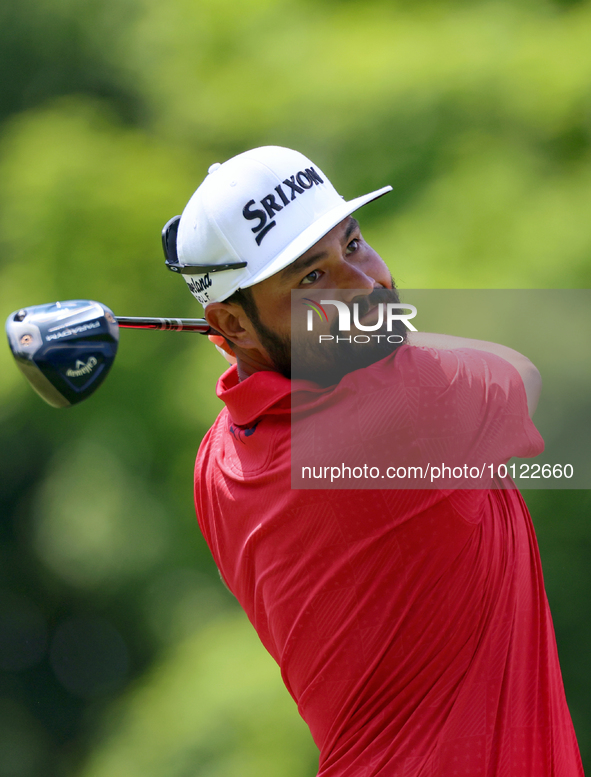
[411, 626]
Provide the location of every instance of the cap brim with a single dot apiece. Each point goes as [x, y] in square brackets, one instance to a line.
[313, 234]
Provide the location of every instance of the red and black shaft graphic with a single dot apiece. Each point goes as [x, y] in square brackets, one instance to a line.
[198, 325]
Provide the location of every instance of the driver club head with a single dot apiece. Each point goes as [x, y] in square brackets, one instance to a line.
[64, 349]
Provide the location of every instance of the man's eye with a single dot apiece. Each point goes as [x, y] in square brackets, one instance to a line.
[311, 277]
[353, 245]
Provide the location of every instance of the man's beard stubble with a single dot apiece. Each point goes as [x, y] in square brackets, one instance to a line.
[327, 363]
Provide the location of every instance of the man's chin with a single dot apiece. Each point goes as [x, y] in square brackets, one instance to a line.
[332, 360]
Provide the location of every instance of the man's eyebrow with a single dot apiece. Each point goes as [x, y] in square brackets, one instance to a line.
[351, 227]
[300, 264]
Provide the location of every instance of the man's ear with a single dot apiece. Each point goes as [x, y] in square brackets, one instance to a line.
[230, 320]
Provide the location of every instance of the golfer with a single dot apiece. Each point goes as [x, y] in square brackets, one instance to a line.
[410, 625]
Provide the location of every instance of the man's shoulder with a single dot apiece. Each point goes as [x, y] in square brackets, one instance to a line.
[429, 363]
[408, 365]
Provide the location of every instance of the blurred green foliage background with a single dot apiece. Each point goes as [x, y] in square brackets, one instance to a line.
[120, 652]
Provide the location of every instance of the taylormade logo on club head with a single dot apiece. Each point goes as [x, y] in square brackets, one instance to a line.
[387, 313]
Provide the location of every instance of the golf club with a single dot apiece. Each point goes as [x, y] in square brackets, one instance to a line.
[66, 349]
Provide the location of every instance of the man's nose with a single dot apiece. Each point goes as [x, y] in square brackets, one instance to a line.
[353, 282]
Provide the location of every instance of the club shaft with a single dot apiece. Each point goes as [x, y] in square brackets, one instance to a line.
[198, 325]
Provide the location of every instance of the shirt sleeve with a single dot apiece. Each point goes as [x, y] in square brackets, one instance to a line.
[470, 406]
[408, 420]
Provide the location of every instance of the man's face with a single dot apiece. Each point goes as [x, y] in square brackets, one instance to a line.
[342, 261]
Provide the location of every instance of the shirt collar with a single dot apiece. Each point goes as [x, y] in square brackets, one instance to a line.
[265, 392]
[247, 400]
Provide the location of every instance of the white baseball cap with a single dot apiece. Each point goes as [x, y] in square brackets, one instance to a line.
[251, 217]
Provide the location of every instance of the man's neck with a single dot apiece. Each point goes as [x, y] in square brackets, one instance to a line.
[247, 366]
